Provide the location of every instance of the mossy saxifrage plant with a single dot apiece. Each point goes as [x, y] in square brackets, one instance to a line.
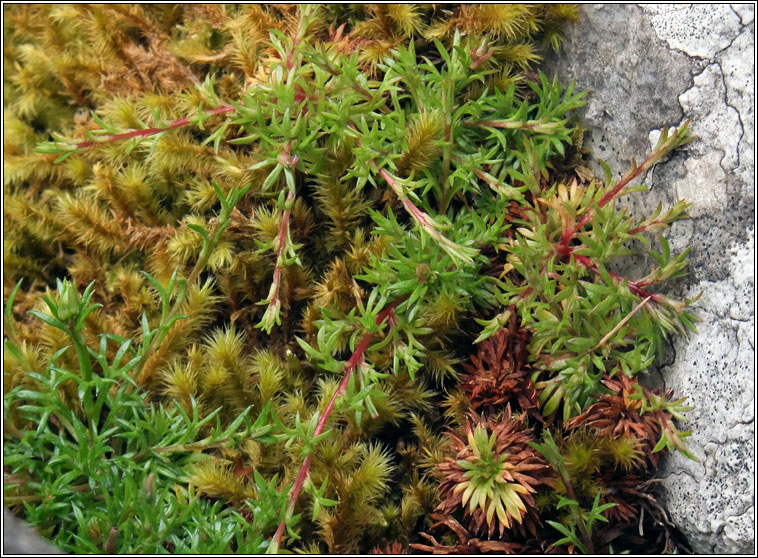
[426, 199]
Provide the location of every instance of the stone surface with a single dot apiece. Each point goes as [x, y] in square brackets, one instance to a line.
[650, 66]
[20, 539]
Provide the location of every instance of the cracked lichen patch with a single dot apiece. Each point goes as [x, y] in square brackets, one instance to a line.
[705, 187]
[724, 472]
[740, 83]
[711, 373]
[695, 29]
[715, 371]
[746, 12]
[716, 123]
[740, 94]
[743, 280]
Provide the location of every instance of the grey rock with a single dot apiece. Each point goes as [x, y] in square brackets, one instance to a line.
[20, 539]
[650, 66]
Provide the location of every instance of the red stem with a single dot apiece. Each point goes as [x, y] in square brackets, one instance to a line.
[633, 285]
[149, 131]
[350, 365]
[481, 60]
[391, 181]
[607, 197]
[421, 217]
[644, 228]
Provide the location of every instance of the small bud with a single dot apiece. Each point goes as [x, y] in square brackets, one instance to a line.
[287, 159]
[70, 301]
[293, 362]
[422, 273]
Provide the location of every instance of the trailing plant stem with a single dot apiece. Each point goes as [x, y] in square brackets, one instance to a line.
[146, 132]
[663, 147]
[427, 224]
[350, 365]
[634, 287]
